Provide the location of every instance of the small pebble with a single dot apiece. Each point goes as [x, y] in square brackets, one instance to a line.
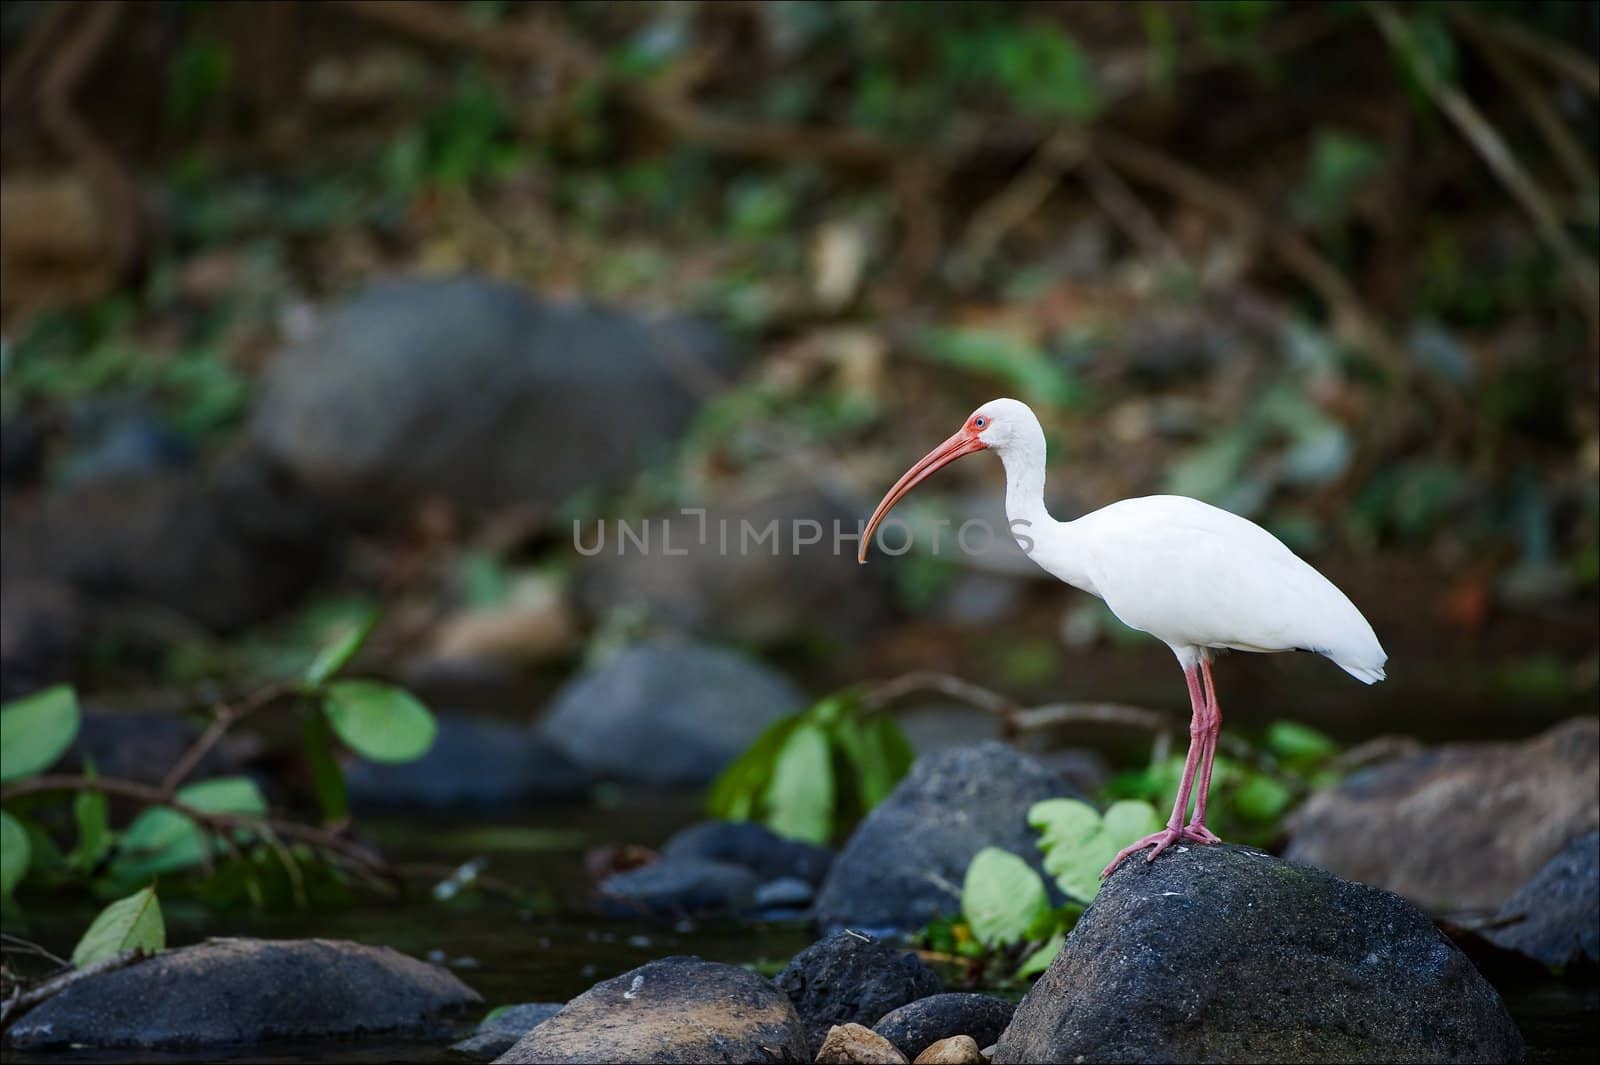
[957, 1050]
[855, 1044]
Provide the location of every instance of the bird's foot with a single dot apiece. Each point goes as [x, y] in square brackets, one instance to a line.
[1196, 832]
[1156, 841]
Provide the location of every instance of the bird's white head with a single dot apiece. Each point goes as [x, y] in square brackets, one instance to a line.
[1001, 425]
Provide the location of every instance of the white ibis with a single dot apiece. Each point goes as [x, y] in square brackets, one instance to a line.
[1196, 577]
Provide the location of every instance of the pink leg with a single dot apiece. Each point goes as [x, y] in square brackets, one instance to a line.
[1160, 841]
[1196, 829]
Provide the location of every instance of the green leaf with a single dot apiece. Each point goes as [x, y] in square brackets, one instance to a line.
[161, 840]
[1040, 960]
[133, 923]
[327, 779]
[1005, 355]
[1078, 841]
[799, 799]
[92, 811]
[1262, 798]
[14, 853]
[379, 721]
[36, 730]
[736, 792]
[338, 653]
[878, 751]
[1002, 897]
[1291, 740]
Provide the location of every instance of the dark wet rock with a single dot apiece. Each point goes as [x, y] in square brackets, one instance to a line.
[675, 1011]
[754, 846]
[1227, 954]
[678, 887]
[954, 1050]
[473, 763]
[1459, 827]
[222, 549]
[905, 863]
[728, 584]
[43, 629]
[667, 714]
[474, 391]
[1555, 917]
[123, 443]
[784, 893]
[239, 991]
[22, 449]
[143, 746]
[849, 978]
[855, 1044]
[918, 1025]
[500, 1031]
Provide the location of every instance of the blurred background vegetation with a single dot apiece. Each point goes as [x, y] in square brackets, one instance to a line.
[1331, 266]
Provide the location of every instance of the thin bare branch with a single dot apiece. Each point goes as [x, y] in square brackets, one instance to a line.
[1554, 55]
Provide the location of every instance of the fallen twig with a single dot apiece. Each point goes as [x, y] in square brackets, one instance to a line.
[1569, 63]
[224, 718]
[1058, 154]
[23, 1000]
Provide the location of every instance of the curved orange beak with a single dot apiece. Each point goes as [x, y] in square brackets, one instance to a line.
[963, 443]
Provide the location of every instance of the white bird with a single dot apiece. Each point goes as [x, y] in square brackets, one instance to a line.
[1194, 576]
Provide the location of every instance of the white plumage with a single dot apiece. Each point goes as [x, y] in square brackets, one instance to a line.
[1193, 575]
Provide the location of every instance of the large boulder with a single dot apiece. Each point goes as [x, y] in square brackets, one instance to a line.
[904, 864]
[849, 978]
[244, 991]
[474, 763]
[473, 391]
[1555, 917]
[1458, 827]
[760, 572]
[1226, 954]
[667, 714]
[675, 1011]
[918, 1025]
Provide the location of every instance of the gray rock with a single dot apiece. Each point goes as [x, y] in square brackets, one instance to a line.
[678, 887]
[223, 549]
[143, 746]
[674, 1011]
[904, 864]
[473, 391]
[725, 584]
[500, 1031]
[665, 714]
[1227, 954]
[1557, 912]
[1459, 827]
[784, 893]
[44, 628]
[754, 846]
[849, 978]
[241, 991]
[918, 1025]
[473, 763]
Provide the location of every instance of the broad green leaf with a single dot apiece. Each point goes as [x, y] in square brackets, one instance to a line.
[1002, 354]
[133, 923]
[1291, 740]
[36, 730]
[92, 811]
[14, 853]
[799, 799]
[379, 721]
[878, 751]
[1262, 798]
[338, 653]
[1040, 960]
[161, 840]
[327, 779]
[1078, 841]
[737, 790]
[1002, 897]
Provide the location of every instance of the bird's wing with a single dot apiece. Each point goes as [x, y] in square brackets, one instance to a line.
[1194, 575]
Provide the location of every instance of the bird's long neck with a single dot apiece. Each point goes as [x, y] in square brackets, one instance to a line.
[1053, 545]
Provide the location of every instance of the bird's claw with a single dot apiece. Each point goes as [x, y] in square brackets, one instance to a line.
[1195, 832]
